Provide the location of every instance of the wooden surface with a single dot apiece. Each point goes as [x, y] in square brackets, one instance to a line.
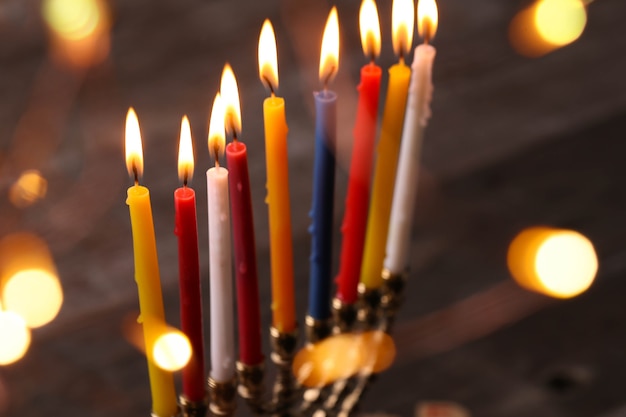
[513, 142]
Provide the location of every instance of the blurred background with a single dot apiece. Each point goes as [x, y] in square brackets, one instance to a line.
[529, 115]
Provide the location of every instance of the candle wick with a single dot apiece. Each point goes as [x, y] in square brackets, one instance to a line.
[185, 178]
[401, 57]
[269, 85]
[427, 25]
[372, 59]
[234, 134]
[327, 78]
[135, 174]
[217, 155]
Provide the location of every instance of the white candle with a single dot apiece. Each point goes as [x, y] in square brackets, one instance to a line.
[405, 189]
[220, 258]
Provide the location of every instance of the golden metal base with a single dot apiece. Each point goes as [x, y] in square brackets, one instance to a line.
[222, 397]
[192, 408]
[317, 330]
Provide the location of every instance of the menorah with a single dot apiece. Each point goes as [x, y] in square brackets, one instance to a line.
[375, 310]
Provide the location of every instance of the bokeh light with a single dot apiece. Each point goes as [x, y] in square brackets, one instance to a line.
[28, 281]
[342, 356]
[555, 262]
[79, 30]
[29, 188]
[172, 350]
[560, 22]
[547, 25]
[14, 337]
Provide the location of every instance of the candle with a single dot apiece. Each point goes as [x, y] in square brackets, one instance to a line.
[402, 22]
[357, 198]
[324, 175]
[147, 271]
[189, 269]
[248, 308]
[281, 251]
[417, 114]
[220, 261]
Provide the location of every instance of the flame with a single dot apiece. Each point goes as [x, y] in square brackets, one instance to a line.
[230, 98]
[217, 136]
[329, 57]
[268, 60]
[402, 23]
[15, 337]
[72, 19]
[29, 188]
[185, 151]
[134, 151]
[427, 18]
[560, 22]
[171, 350]
[370, 29]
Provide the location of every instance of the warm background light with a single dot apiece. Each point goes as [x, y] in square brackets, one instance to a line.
[230, 98]
[268, 57]
[547, 25]
[29, 284]
[185, 151]
[172, 350]
[555, 262]
[427, 18]
[329, 56]
[29, 188]
[370, 29]
[217, 139]
[402, 25]
[79, 30]
[560, 22]
[342, 356]
[133, 146]
[14, 337]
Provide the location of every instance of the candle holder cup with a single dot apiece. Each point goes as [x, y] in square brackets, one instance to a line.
[375, 310]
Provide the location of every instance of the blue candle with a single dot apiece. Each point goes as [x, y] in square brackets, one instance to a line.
[322, 211]
[324, 175]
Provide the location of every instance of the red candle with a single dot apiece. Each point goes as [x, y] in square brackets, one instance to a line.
[245, 255]
[189, 270]
[243, 227]
[357, 199]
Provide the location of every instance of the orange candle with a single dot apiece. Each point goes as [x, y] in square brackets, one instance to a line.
[281, 251]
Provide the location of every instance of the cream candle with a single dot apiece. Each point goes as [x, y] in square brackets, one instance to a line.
[415, 121]
[220, 259]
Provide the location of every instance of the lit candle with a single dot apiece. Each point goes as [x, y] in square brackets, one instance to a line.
[248, 309]
[281, 251]
[416, 118]
[189, 269]
[357, 198]
[147, 271]
[402, 22]
[324, 175]
[220, 260]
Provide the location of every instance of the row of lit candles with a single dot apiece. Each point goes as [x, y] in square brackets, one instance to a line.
[364, 241]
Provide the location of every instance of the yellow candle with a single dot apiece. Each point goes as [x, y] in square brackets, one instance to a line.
[281, 252]
[388, 147]
[147, 273]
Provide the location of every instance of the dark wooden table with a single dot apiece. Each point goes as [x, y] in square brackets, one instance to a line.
[513, 142]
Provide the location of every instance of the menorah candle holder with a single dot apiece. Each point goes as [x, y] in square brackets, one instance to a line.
[375, 310]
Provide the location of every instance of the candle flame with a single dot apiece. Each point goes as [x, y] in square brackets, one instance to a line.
[370, 29]
[268, 60]
[134, 151]
[427, 18]
[230, 98]
[402, 23]
[329, 57]
[185, 152]
[217, 136]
